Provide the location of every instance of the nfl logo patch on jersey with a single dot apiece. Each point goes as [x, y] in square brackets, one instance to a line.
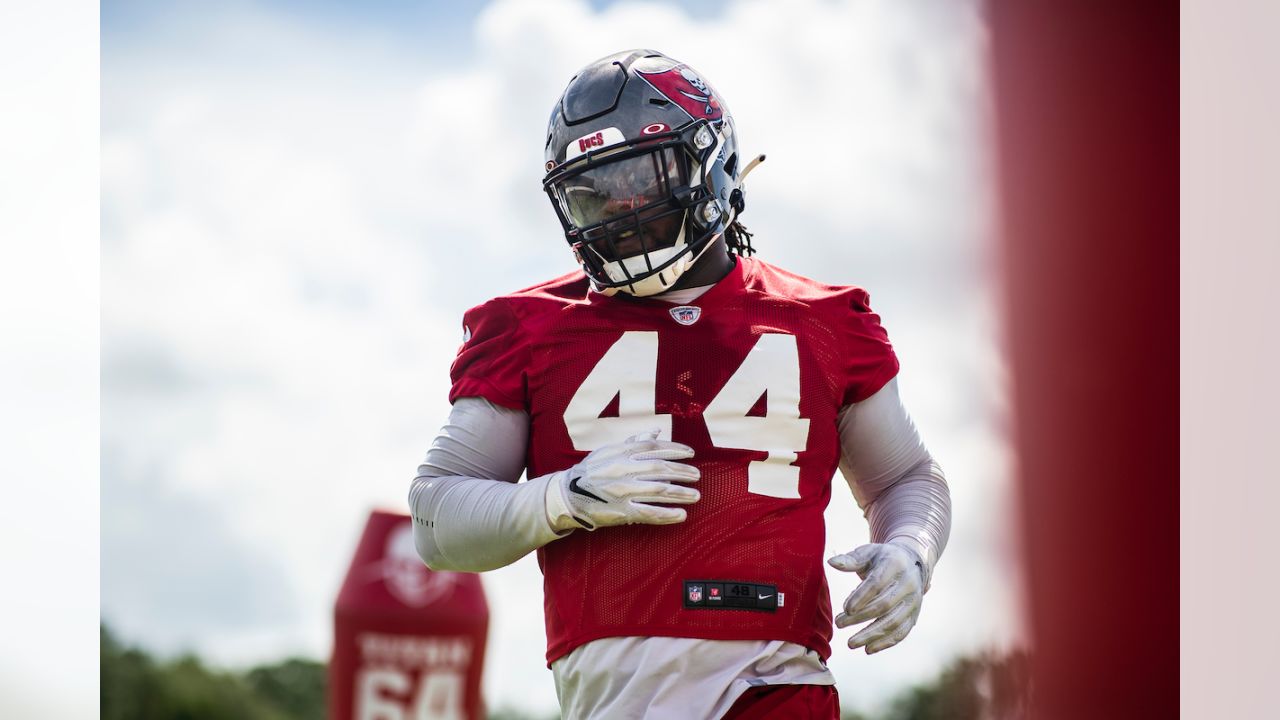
[695, 593]
[686, 314]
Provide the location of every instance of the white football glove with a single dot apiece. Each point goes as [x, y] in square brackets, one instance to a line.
[615, 485]
[891, 591]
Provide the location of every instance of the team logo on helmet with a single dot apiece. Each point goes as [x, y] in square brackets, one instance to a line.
[682, 86]
[686, 314]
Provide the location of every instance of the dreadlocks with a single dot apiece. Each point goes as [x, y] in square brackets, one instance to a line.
[738, 239]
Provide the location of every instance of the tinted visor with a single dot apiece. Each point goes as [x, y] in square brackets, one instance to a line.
[628, 203]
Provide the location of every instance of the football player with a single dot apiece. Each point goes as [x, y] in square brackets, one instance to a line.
[680, 409]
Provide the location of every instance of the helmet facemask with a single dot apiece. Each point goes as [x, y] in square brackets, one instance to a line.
[639, 214]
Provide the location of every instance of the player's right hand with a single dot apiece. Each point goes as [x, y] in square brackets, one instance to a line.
[619, 484]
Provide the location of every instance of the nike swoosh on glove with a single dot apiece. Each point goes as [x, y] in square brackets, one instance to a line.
[617, 485]
[891, 592]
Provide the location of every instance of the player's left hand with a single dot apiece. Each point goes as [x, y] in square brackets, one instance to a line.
[891, 591]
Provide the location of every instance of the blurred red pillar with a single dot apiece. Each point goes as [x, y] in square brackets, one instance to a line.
[1087, 131]
[408, 643]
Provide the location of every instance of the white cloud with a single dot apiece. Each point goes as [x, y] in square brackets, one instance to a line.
[288, 249]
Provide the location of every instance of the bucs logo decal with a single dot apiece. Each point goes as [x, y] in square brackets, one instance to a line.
[682, 86]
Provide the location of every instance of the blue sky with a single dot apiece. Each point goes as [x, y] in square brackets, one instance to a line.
[299, 200]
[431, 29]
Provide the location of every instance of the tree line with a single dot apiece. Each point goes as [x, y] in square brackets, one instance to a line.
[137, 686]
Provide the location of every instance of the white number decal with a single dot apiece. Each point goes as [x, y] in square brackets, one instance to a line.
[628, 370]
[772, 368]
[373, 686]
[439, 695]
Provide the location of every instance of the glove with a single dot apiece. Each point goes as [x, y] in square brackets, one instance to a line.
[615, 484]
[891, 591]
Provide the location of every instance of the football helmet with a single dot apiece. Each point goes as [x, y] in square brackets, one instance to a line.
[642, 168]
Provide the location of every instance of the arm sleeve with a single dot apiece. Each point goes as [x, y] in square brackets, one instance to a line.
[870, 360]
[469, 513]
[894, 479]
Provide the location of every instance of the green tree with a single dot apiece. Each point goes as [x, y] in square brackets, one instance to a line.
[296, 687]
[136, 687]
[983, 687]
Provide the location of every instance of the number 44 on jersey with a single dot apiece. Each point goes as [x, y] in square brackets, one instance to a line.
[772, 368]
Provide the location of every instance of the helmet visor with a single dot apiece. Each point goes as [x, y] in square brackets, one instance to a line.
[619, 188]
[626, 207]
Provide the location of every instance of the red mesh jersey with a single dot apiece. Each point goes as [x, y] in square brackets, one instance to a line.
[751, 375]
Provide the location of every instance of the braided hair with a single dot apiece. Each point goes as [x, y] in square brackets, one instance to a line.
[738, 239]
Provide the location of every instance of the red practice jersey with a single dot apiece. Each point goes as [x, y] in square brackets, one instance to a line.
[752, 376]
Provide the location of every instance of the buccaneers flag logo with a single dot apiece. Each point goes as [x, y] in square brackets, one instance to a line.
[682, 86]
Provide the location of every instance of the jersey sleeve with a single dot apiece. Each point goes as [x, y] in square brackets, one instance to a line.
[493, 359]
[870, 362]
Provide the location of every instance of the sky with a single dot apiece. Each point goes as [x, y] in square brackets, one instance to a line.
[299, 200]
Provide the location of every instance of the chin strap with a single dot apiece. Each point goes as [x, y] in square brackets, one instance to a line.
[694, 260]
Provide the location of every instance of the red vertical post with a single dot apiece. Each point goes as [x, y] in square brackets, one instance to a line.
[1087, 131]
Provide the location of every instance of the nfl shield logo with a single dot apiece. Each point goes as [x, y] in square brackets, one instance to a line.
[686, 314]
[695, 593]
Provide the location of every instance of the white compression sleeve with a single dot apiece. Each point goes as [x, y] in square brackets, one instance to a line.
[469, 513]
[893, 477]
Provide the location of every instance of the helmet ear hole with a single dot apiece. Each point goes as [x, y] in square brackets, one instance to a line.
[731, 167]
